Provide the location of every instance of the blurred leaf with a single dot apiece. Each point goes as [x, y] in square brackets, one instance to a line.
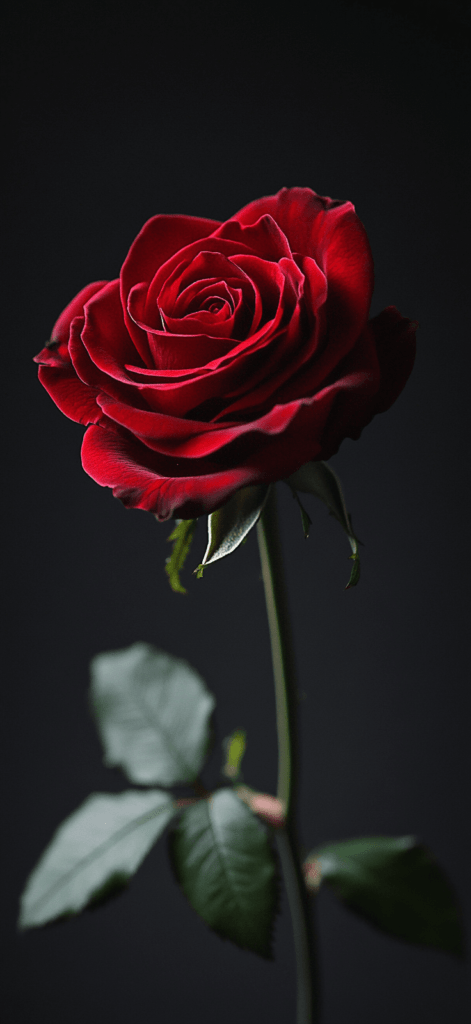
[229, 525]
[395, 884]
[93, 853]
[225, 865]
[234, 747]
[152, 711]
[319, 479]
[182, 537]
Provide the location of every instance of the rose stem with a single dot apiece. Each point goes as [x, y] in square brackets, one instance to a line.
[288, 762]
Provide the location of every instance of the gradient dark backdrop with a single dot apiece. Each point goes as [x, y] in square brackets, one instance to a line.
[117, 113]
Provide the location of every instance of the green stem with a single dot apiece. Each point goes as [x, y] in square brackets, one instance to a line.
[288, 763]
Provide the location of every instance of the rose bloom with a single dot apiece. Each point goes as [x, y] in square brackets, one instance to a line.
[227, 354]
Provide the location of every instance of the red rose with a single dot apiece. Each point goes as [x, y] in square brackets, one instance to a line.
[227, 354]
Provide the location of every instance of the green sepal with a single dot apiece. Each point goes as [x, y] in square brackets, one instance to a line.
[355, 571]
[234, 749]
[182, 536]
[395, 884]
[319, 478]
[225, 865]
[94, 853]
[305, 519]
[228, 526]
[152, 712]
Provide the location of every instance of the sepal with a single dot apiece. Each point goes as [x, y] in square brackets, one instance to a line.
[319, 478]
[229, 525]
[182, 536]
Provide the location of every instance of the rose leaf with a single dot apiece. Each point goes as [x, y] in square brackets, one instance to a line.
[94, 853]
[395, 884]
[182, 536]
[229, 525]
[224, 864]
[318, 478]
[152, 712]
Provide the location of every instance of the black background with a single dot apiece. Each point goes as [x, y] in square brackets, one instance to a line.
[116, 113]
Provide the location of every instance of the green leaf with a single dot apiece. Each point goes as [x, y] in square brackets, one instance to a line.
[152, 711]
[182, 537]
[229, 525]
[395, 884]
[234, 747]
[93, 853]
[225, 865]
[319, 479]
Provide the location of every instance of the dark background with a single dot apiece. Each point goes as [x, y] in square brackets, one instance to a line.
[115, 113]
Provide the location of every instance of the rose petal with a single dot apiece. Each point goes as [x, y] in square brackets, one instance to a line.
[383, 358]
[158, 240]
[294, 210]
[330, 232]
[395, 340]
[75, 399]
[90, 374]
[184, 438]
[128, 468]
[264, 237]
[104, 334]
[56, 351]
[177, 264]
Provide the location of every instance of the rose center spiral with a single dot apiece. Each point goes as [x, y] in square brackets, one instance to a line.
[213, 305]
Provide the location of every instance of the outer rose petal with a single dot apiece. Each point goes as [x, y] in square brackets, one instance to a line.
[55, 352]
[114, 461]
[75, 399]
[391, 338]
[329, 231]
[395, 345]
[104, 334]
[60, 331]
[168, 486]
[294, 210]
